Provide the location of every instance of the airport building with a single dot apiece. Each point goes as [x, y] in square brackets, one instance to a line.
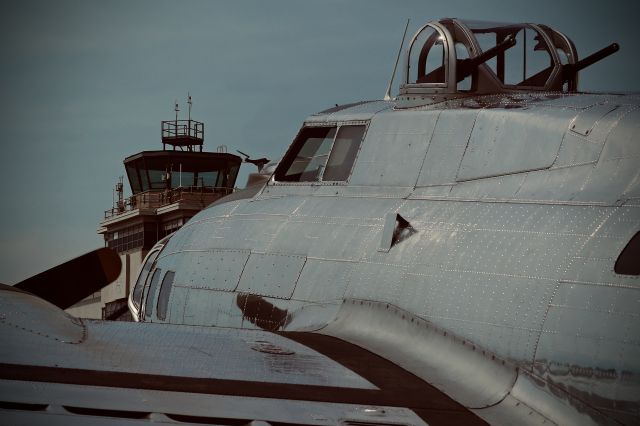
[168, 187]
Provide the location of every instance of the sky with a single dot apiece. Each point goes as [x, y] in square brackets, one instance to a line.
[86, 83]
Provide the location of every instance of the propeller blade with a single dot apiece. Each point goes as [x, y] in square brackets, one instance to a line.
[67, 284]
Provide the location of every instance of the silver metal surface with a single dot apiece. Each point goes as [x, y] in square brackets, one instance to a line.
[505, 296]
[160, 405]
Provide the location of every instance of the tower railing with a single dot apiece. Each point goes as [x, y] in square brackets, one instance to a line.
[154, 198]
[182, 133]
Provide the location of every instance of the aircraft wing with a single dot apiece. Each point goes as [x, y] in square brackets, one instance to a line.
[57, 369]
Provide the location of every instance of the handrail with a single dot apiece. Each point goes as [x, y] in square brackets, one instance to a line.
[182, 128]
[155, 198]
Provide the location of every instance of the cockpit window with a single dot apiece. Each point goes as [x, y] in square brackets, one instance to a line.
[321, 154]
[309, 155]
[343, 153]
[151, 293]
[163, 295]
[142, 278]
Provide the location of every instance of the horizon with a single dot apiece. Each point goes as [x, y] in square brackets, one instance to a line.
[86, 84]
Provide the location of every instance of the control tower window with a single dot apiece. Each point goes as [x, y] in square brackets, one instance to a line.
[321, 154]
[427, 63]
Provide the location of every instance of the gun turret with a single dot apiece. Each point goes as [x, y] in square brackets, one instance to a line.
[467, 66]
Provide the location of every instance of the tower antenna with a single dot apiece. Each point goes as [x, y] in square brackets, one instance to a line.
[190, 104]
[387, 95]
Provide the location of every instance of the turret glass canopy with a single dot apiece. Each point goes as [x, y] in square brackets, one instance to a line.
[451, 56]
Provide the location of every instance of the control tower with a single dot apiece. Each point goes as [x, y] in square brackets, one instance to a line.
[168, 187]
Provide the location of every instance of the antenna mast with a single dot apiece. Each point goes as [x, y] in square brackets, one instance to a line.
[387, 95]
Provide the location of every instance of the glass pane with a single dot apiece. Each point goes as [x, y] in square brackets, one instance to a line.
[145, 179]
[132, 174]
[156, 179]
[142, 278]
[462, 52]
[343, 154]
[151, 294]
[308, 155]
[426, 63]
[539, 64]
[163, 296]
[486, 42]
[207, 178]
[529, 62]
[175, 178]
[514, 61]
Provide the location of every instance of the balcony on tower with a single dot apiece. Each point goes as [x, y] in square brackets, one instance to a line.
[187, 134]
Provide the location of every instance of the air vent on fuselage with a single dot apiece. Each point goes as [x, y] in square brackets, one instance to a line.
[396, 229]
[628, 263]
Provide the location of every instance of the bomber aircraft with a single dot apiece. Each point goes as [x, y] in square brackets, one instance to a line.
[464, 253]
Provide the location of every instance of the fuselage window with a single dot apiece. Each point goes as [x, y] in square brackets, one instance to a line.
[142, 278]
[628, 263]
[163, 295]
[321, 154]
[151, 293]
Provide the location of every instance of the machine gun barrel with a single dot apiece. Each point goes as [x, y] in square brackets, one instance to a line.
[570, 70]
[597, 56]
[467, 66]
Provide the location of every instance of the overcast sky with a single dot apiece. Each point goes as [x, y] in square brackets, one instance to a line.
[86, 83]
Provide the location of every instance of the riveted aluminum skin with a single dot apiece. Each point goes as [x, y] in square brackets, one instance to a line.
[516, 238]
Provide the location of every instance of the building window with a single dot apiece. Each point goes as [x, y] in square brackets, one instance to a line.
[126, 239]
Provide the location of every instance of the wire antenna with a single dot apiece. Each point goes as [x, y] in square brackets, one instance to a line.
[387, 95]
